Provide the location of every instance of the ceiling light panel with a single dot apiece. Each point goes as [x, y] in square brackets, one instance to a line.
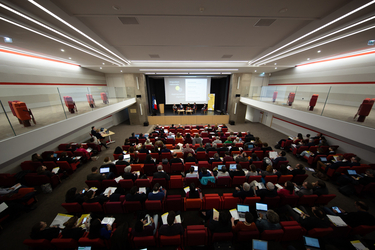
[78, 31]
[57, 32]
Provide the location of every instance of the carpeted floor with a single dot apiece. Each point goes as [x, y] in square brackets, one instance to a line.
[18, 229]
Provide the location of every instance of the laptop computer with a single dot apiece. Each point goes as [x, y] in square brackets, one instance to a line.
[241, 210]
[261, 208]
[311, 243]
[260, 245]
[219, 167]
[250, 146]
[354, 173]
[127, 157]
[323, 159]
[55, 155]
[104, 170]
[84, 248]
[233, 166]
[195, 168]
[136, 136]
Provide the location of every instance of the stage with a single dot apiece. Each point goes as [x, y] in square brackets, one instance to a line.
[169, 118]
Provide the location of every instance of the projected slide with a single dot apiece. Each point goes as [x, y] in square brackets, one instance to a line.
[187, 90]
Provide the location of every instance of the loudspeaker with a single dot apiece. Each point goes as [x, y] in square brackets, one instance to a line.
[145, 124]
[238, 95]
[232, 122]
[139, 96]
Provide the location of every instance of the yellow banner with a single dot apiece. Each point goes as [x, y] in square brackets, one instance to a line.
[211, 102]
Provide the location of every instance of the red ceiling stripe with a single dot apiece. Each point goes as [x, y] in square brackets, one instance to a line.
[337, 58]
[37, 57]
[321, 83]
[50, 84]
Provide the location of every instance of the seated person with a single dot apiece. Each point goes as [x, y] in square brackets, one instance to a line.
[172, 228]
[364, 180]
[132, 137]
[158, 193]
[41, 231]
[253, 171]
[83, 150]
[227, 157]
[217, 140]
[36, 158]
[287, 190]
[204, 108]
[242, 158]
[148, 142]
[247, 225]
[179, 136]
[72, 195]
[305, 189]
[174, 107]
[149, 160]
[283, 170]
[144, 150]
[187, 149]
[171, 136]
[317, 218]
[165, 149]
[341, 162]
[193, 192]
[91, 198]
[234, 148]
[197, 140]
[237, 172]
[221, 224]
[134, 195]
[299, 169]
[141, 229]
[175, 159]
[191, 158]
[228, 141]
[194, 107]
[222, 172]
[118, 150]
[97, 230]
[181, 107]
[177, 149]
[188, 107]
[271, 223]
[204, 172]
[112, 168]
[72, 230]
[95, 132]
[200, 148]
[115, 196]
[128, 174]
[64, 157]
[253, 158]
[216, 158]
[161, 174]
[95, 175]
[244, 191]
[265, 147]
[42, 170]
[280, 157]
[320, 187]
[191, 173]
[269, 191]
[127, 142]
[50, 158]
[354, 219]
[269, 171]
[121, 161]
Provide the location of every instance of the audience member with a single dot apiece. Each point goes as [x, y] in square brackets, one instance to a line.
[280, 157]
[305, 189]
[134, 195]
[191, 158]
[193, 192]
[287, 190]
[222, 172]
[191, 173]
[197, 140]
[142, 229]
[271, 223]
[172, 227]
[72, 230]
[244, 191]
[158, 193]
[299, 169]
[320, 187]
[253, 171]
[247, 225]
[269, 191]
[121, 161]
[317, 218]
[237, 172]
[97, 230]
[41, 231]
[161, 174]
[72, 195]
[128, 174]
[95, 175]
[91, 198]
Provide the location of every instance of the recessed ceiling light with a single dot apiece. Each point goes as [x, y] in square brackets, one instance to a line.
[308, 59]
[62, 50]
[275, 63]
[8, 40]
[101, 68]
[70, 58]
[121, 71]
[319, 51]
[275, 67]
[103, 63]
[255, 70]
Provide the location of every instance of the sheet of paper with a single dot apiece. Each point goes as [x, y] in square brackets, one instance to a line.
[358, 245]
[273, 154]
[112, 189]
[60, 219]
[187, 189]
[142, 190]
[108, 220]
[93, 189]
[118, 179]
[297, 210]
[3, 206]
[278, 186]
[55, 170]
[337, 221]
[234, 213]
[216, 214]
[165, 216]
[310, 169]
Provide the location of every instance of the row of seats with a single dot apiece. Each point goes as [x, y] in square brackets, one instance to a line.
[177, 181]
[209, 201]
[198, 235]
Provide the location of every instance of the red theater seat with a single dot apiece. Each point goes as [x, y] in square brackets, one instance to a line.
[313, 100]
[291, 98]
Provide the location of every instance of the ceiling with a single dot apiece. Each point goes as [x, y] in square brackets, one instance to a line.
[169, 36]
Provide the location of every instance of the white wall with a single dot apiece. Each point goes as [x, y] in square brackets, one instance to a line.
[359, 138]
[344, 80]
[38, 75]
[15, 150]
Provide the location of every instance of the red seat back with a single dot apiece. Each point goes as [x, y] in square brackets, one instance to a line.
[175, 240]
[131, 206]
[196, 235]
[113, 207]
[324, 199]
[211, 201]
[313, 100]
[319, 232]
[94, 207]
[145, 241]
[74, 207]
[275, 235]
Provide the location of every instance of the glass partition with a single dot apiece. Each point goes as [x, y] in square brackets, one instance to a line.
[41, 106]
[341, 102]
